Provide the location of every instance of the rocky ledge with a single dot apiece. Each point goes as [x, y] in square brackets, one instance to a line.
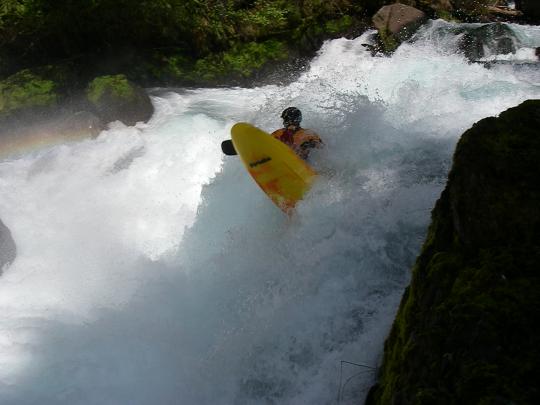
[468, 325]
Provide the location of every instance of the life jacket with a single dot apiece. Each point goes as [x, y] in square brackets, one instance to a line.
[300, 140]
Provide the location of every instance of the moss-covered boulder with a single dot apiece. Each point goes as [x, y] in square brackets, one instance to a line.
[27, 91]
[8, 249]
[467, 330]
[116, 98]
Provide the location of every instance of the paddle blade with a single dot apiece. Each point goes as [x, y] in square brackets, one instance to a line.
[228, 148]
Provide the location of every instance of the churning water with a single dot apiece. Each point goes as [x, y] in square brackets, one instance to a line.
[152, 270]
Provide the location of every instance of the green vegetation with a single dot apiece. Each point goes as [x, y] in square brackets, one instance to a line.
[36, 31]
[241, 61]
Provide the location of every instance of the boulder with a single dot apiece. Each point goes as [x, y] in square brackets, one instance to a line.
[8, 249]
[27, 92]
[467, 328]
[116, 98]
[495, 39]
[397, 23]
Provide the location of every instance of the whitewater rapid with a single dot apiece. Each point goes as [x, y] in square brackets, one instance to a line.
[151, 269]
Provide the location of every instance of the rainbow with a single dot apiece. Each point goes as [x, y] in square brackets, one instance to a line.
[22, 140]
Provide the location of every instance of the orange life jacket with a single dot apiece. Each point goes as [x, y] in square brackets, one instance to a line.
[301, 140]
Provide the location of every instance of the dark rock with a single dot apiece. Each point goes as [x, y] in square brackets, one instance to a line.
[117, 98]
[497, 38]
[495, 193]
[8, 249]
[531, 10]
[434, 8]
[467, 328]
[397, 23]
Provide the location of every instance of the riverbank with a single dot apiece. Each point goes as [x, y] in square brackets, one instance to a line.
[51, 56]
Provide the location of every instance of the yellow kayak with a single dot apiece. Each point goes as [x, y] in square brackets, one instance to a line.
[280, 173]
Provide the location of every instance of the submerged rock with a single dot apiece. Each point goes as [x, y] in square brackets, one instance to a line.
[467, 328]
[489, 39]
[8, 249]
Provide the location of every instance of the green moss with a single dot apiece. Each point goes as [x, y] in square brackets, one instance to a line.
[389, 42]
[116, 86]
[26, 90]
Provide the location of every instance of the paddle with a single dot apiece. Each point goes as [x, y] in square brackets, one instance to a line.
[228, 148]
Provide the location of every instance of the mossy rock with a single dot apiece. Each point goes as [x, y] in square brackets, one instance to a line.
[467, 328]
[27, 91]
[116, 98]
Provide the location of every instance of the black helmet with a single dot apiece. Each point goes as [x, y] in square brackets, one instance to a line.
[291, 116]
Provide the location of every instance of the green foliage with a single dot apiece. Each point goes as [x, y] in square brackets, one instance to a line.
[67, 27]
[263, 19]
[164, 40]
[241, 61]
[339, 25]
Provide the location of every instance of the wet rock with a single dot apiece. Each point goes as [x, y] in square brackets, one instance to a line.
[490, 39]
[8, 249]
[467, 328]
[397, 23]
[117, 98]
